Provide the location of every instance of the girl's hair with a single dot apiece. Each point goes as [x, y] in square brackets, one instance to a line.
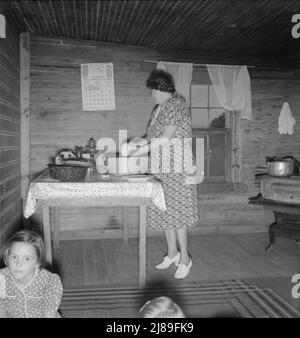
[161, 307]
[161, 80]
[29, 237]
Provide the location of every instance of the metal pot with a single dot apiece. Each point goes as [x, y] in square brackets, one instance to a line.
[280, 168]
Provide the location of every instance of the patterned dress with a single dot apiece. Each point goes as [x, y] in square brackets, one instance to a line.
[42, 295]
[181, 198]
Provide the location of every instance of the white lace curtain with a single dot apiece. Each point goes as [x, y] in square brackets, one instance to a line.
[232, 87]
[182, 76]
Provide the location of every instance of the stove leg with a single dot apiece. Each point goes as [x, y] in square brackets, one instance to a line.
[271, 237]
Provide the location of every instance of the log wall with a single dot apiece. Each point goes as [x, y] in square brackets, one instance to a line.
[10, 192]
[57, 121]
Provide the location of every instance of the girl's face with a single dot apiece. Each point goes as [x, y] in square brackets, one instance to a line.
[22, 262]
[160, 97]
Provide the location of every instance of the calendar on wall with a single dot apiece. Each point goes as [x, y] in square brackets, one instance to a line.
[97, 84]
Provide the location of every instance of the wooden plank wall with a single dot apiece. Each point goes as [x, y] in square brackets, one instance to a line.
[25, 112]
[57, 121]
[10, 198]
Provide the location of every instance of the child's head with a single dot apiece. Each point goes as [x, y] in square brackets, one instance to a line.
[161, 307]
[24, 252]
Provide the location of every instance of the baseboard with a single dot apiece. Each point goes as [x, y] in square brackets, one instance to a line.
[215, 229]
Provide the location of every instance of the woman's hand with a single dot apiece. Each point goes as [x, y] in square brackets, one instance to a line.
[138, 146]
[130, 148]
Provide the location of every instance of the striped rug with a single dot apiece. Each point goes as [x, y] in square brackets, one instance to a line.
[234, 298]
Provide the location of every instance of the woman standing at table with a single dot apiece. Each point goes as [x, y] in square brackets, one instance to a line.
[170, 123]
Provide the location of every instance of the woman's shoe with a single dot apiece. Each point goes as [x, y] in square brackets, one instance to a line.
[168, 261]
[183, 270]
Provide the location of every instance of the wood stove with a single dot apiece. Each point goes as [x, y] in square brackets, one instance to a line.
[281, 195]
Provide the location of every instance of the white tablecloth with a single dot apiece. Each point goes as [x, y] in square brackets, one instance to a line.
[45, 188]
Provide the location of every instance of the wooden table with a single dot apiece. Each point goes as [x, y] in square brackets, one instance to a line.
[287, 219]
[51, 208]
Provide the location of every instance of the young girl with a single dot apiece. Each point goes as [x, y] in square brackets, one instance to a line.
[26, 288]
[161, 307]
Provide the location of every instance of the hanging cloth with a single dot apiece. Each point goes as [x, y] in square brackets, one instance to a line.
[232, 87]
[286, 120]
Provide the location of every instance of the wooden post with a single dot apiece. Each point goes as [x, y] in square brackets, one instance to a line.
[142, 248]
[24, 110]
[236, 155]
[125, 223]
[47, 234]
[56, 229]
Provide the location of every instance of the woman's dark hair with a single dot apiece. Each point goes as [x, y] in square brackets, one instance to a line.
[161, 80]
[29, 237]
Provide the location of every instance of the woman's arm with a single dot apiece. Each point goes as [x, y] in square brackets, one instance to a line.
[166, 137]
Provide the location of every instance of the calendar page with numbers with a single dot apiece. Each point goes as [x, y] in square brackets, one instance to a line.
[97, 84]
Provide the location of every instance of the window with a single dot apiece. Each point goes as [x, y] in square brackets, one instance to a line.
[219, 129]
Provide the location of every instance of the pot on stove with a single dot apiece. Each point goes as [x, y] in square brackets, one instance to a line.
[282, 167]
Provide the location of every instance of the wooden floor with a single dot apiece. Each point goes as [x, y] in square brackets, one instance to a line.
[114, 263]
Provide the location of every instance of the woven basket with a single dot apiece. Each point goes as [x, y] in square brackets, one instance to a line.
[69, 173]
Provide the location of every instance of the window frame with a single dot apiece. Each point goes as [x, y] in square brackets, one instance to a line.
[233, 139]
[208, 107]
[206, 133]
